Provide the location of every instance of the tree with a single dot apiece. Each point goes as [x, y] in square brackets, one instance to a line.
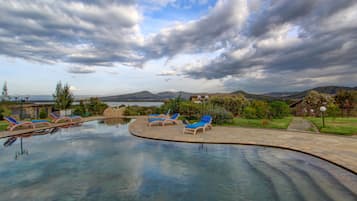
[250, 112]
[345, 100]
[63, 96]
[262, 108]
[174, 104]
[314, 100]
[332, 110]
[5, 94]
[96, 106]
[234, 104]
[279, 109]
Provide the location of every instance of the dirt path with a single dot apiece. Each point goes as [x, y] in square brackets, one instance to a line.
[301, 124]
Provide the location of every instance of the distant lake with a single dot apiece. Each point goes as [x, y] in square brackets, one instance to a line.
[146, 104]
[114, 104]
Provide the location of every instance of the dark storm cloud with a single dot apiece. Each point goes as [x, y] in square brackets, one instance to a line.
[273, 37]
[290, 37]
[206, 34]
[84, 32]
[303, 12]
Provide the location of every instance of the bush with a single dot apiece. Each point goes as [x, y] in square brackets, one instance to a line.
[91, 106]
[250, 112]
[219, 114]
[234, 104]
[138, 110]
[279, 109]
[262, 109]
[265, 122]
[43, 113]
[4, 111]
[96, 106]
[191, 110]
[333, 110]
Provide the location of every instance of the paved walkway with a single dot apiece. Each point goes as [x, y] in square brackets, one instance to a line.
[4, 134]
[301, 124]
[340, 150]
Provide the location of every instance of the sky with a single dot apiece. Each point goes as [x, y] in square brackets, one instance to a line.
[108, 47]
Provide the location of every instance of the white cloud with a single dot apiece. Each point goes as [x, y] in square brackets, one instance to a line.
[81, 69]
[167, 73]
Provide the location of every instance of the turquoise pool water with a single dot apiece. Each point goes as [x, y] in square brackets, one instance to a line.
[102, 161]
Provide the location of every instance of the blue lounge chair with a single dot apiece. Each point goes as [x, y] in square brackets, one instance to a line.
[71, 119]
[13, 123]
[160, 115]
[204, 123]
[173, 119]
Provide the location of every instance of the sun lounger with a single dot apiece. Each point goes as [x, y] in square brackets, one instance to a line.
[13, 123]
[173, 119]
[204, 123]
[71, 119]
[160, 115]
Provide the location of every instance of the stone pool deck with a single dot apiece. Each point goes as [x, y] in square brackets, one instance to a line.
[339, 150]
[4, 134]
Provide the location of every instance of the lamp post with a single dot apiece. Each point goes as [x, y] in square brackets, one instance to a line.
[323, 110]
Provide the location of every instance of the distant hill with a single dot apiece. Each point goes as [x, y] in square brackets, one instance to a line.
[169, 94]
[326, 90]
[255, 96]
[148, 96]
[138, 96]
[280, 94]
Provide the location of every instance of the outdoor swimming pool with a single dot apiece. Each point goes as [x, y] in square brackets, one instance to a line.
[102, 161]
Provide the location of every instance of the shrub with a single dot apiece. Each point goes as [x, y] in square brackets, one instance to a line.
[314, 100]
[191, 110]
[4, 111]
[138, 110]
[81, 109]
[219, 115]
[262, 109]
[250, 112]
[333, 110]
[234, 104]
[91, 106]
[279, 109]
[96, 106]
[43, 113]
[265, 122]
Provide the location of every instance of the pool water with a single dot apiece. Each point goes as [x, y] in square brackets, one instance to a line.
[102, 161]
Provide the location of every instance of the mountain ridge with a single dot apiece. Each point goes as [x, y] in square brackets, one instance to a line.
[161, 96]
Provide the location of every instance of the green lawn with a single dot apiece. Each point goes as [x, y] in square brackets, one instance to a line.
[261, 123]
[342, 126]
[3, 125]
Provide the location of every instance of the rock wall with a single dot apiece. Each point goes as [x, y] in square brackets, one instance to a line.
[113, 112]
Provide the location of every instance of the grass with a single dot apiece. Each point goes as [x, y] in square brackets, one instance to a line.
[340, 125]
[3, 125]
[261, 123]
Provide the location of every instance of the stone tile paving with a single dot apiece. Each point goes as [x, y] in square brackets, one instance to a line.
[23, 131]
[340, 150]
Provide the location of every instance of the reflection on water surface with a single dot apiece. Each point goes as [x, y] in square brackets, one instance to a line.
[100, 160]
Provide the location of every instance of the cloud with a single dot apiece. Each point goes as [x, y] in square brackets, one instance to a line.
[203, 35]
[251, 41]
[286, 39]
[81, 70]
[96, 33]
[167, 73]
[73, 88]
[287, 81]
